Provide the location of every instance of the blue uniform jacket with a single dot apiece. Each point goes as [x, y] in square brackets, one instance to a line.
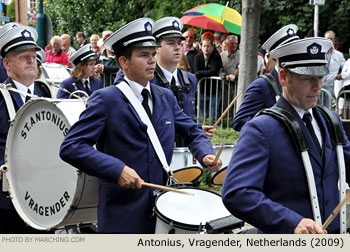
[265, 183]
[3, 72]
[189, 98]
[257, 97]
[110, 121]
[68, 84]
[5, 202]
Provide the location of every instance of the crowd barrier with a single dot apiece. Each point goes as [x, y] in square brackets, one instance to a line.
[107, 79]
[214, 94]
[326, 99]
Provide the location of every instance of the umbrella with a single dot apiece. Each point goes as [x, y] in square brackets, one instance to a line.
[204, 22]
[228, 17]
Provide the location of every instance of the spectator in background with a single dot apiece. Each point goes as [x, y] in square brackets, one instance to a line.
[207, 63]
[336, 62]
[66, 45]
[93, 41]
[189, 50]
[56, 55]
[106, 64]
[230, 58]
[80, 37]
[223, 45]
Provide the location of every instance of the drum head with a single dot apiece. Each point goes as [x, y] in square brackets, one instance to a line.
[187, 174]
[219, 177]
[42, 187]
[189, 211]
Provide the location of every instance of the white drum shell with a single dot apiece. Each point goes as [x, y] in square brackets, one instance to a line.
[46, 191]
[186, 214]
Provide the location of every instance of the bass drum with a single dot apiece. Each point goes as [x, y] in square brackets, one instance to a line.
[47, 192]
[179, 213]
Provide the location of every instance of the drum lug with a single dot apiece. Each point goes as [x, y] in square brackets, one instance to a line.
[172, 229]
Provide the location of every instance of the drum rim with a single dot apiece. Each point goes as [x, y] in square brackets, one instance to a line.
[178, 224]
[217, 173]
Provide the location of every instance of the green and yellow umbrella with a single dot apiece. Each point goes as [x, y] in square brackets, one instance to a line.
[229, 18]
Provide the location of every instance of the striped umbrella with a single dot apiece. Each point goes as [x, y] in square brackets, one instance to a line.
[228, 17]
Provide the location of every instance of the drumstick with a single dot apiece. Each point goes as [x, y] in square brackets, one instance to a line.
[218, 154]
[336, 211]
[165, 188]
[227, 109]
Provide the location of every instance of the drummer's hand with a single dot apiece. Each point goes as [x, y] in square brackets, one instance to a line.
[129, 178]
[309, 226]
[208, 161]
[209, 130]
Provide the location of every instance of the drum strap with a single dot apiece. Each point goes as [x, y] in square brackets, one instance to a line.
[338, 141]
[276, 93]
[8, 101]
[130, 95]
[302, 146]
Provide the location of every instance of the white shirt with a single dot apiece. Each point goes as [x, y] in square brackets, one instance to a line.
[168, 75]
[137, 89]
[345, 73]
[317, 129]
[24, 89]
[336, 61]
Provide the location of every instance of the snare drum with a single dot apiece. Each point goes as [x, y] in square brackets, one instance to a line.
[184, 166]
[47, 192]
[184, 213]
[217, 178]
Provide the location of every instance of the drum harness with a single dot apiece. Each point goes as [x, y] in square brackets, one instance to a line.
[273, 85]
[178, 90]
[302, 146]
[131, 96]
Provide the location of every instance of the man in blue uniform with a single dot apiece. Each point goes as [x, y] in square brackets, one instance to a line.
[125, 156]
[266, 182]
[83, 74]
[167, 32]
[18, 51]
[262, 92]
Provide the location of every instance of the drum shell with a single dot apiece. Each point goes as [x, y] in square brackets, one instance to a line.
[47, 192]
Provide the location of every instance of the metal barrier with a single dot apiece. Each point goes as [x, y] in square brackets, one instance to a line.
[213, 96]
[343, 104]
[326, 98]
[107, 79]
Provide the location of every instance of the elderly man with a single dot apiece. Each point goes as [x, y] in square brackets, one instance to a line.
[18, 50]
[66, 45]
[267, 183]
[230, 58]
[189, 49]
[93, 41]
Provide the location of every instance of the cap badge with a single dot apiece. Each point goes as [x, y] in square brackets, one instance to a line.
[314, 50]
[291, 32]
[26, 35]
[148, 28]
[176, 25]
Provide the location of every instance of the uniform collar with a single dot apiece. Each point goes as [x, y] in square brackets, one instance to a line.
[24, 89]
[137, 88]
[168, 75]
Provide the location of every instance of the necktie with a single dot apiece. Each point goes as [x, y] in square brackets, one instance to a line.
[145, 95]
[27, 96]
[173, 81]
[86, 85]
[307, 119]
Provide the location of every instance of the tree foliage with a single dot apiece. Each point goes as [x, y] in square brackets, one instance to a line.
[94, 16]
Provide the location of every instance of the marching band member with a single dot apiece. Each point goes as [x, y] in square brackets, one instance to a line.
[266, 183]
[125, 156]
[83, 73]
[18, 51]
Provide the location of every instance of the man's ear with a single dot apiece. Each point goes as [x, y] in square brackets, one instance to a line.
[123, 62]
[5, 62]
[283, 77]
